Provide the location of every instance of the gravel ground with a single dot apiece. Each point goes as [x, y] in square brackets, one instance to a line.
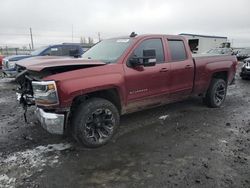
[184, 144]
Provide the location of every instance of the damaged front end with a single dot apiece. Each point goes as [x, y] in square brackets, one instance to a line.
[24, 91]
[32, 90]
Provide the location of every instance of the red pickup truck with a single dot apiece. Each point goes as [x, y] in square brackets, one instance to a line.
[117, 76]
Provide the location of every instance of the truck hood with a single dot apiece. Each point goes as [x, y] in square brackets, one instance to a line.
[49, 62]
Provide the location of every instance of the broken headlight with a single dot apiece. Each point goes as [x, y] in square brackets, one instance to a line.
[45, 93]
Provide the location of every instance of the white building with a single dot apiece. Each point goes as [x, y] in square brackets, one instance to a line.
[203, 43]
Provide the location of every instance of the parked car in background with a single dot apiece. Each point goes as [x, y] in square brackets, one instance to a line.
[243, 54]
[86, 96]
[245, 70]
[9, 63]
[226, 51]
[236, 51]
[1, 61]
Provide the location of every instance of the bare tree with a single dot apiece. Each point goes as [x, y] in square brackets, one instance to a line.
[83, 40]
[90, 40]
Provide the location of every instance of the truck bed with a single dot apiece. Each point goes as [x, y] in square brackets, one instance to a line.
[206, 64]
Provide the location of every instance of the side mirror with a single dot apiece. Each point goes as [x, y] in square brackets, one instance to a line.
[149, 57]
[135, 62]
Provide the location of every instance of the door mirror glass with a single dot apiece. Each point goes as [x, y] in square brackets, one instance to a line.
[149, 53]
[149, 57]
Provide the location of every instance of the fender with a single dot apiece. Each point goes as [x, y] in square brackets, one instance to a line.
[69, 89]
[217, 67]
[86, 80]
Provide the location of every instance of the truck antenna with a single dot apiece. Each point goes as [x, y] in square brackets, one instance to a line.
[133, 34]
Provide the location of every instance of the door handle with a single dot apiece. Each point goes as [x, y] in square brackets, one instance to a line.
[188, 66]
[164, 70]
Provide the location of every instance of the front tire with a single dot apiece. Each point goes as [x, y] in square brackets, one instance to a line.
[94, 122]
[216, 93]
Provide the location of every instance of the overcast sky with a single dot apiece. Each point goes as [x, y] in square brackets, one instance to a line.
[52, 20]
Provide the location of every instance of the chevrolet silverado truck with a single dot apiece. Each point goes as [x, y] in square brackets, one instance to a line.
[87, 96]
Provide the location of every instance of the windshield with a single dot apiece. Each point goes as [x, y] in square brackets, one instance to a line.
[38, 50]
[107, 50]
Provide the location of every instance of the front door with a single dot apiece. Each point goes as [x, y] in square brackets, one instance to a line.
[147, 86]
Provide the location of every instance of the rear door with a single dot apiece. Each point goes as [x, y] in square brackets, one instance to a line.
[66, 50]
[146, 86]
[182, 69]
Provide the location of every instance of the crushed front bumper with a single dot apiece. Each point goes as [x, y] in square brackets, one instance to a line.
[52, 122]
[10, 74]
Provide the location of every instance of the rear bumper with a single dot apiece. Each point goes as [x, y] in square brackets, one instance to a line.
[52, 122]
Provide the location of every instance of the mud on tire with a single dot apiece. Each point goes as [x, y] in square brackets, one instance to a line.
[94, 122]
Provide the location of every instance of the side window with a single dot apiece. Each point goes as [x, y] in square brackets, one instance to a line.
[150, 44]
[67, 49]
[177, 50]
[54, 51]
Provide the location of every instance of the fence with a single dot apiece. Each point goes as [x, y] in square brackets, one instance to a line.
[7, 51]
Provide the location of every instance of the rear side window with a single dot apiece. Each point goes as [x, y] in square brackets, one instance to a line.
[177, 50]
[151, 44]
[67, 49]
[54, 51]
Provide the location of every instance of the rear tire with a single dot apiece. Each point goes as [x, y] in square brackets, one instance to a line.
[94, 122]
[216, 93]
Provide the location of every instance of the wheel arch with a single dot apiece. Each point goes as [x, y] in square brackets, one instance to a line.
[222, 75]
[110, 94]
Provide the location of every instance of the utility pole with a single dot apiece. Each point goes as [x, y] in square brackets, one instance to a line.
[30, 48]
[7, 51]
[72, 36]
[31, 38]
